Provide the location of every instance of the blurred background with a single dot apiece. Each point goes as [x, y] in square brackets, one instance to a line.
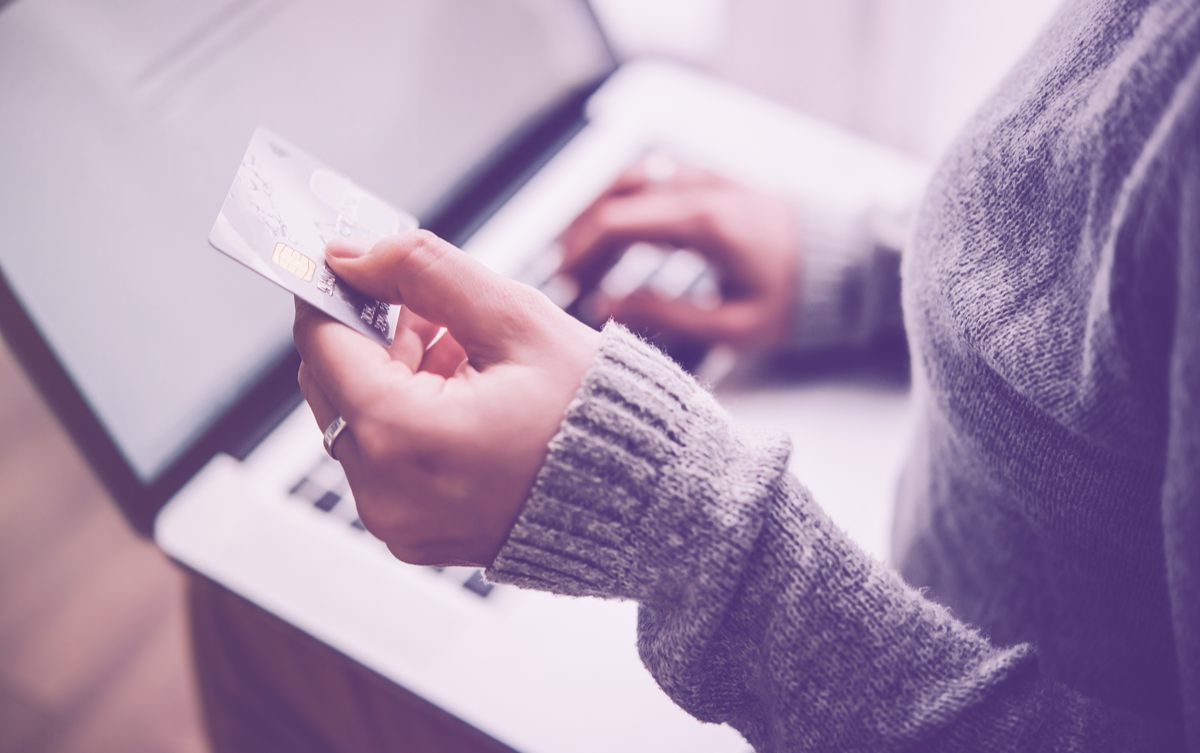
[93, 644]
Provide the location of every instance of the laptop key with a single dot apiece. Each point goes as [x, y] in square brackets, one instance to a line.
[327, 501]
[679, 273]
[306, 490]
[634, 269]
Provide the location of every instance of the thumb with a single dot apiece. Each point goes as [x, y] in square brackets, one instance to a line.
[441, 284]
[734, 323]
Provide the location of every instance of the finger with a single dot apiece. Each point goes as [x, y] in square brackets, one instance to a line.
[324, 413]
[652, 170]
[592, 243]
[413, 335]
[444, 357]
[443, 285]
[656, 171]
[350, 368]
[632, 179]
[734, 322]
[322, 410]
[660, 171]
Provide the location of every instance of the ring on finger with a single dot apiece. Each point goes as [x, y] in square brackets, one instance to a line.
[332, 432]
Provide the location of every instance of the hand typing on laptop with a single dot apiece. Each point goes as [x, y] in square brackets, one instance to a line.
[748, 237]
[444, 436]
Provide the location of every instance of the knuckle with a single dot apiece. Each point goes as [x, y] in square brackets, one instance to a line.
[423, 248]
[519, 308]
[421, 251]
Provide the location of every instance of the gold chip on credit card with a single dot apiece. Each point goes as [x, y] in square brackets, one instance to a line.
[294, 261]
[283, 208]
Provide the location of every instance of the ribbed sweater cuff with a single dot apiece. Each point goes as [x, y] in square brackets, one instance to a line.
[622, 502]
[831, 294]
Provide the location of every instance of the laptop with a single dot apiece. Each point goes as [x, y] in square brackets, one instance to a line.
[173, 369]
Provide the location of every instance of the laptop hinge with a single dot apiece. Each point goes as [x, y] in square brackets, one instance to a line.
[484, 190]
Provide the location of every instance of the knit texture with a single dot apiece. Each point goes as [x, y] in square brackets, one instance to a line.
[1050, 510]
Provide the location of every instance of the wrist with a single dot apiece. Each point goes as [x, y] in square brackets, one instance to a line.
[626, 496]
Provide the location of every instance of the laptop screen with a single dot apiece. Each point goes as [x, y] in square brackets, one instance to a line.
[125, 121]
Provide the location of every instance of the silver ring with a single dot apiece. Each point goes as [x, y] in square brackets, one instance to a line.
[332, 432]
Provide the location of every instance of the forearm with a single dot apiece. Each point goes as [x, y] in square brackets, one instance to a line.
[756, 609]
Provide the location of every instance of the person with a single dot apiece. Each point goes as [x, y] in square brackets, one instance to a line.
[1046, 594]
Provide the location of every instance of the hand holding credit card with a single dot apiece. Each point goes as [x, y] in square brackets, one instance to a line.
[283, 208]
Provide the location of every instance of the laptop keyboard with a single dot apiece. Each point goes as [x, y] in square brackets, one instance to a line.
[324, 486]
[671, 272]
[668, 271]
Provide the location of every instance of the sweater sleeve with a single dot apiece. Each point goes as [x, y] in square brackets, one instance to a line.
[755, 609]
[1181, 485]
[848, 286]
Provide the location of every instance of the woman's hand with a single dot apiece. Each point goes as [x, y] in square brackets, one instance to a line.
[750, 239]
[443, 440]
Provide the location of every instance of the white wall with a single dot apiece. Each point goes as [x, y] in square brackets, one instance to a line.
[905, 73]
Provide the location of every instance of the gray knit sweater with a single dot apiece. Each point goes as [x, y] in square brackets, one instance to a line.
[1048, 525]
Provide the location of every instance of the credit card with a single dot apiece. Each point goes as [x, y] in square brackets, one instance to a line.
[283, 208]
